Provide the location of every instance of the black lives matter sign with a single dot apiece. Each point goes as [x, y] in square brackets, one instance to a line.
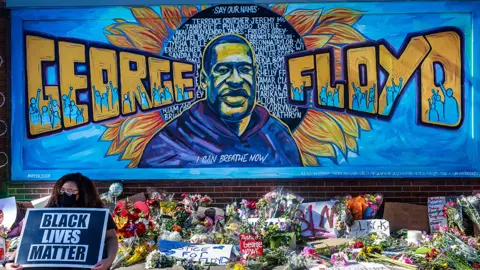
[66, 237]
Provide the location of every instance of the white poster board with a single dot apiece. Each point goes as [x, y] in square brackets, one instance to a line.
[365, 227]
[219, 254]
[435, 212]
[9, 208]
[318, 219]
[40, 203]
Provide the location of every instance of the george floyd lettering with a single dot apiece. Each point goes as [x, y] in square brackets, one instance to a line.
[61, 237]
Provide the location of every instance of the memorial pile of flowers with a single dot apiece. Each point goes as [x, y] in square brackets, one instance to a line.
[273, 219]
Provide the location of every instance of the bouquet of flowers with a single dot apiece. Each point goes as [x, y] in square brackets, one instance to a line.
[453, 212]
[471, 206]
[192, 202]
[279, 203]
[373, 205]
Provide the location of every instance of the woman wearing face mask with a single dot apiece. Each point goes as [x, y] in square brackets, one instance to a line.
[76, 190]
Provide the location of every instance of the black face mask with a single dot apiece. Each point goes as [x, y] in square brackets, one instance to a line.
[67, 200]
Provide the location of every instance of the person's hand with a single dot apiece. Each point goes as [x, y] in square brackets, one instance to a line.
[102, 265]
[11, 266]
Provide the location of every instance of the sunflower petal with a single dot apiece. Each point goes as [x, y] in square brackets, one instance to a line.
[348, 123]
[135, 148]
[111, 29]
[303, 20]
[189, 11]
[320, 126]
[341, 15]
[114, 123]
[119, 41]
[279, 9]
[149, 18]
[171, 15]
[342, 33]
[314, 147]
[116, 148]
[351, 143]
[118, 20]
[110, 134]
[142, 37]
[364, 124]
[316, 41]
[141, 125]
[309, 160]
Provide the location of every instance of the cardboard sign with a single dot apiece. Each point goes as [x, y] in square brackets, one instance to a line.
[251, 244]
[9, 209]
[365, 227]
[62, 237]
[406, 216]
[435, 212]
[219, 254]
[318, 219]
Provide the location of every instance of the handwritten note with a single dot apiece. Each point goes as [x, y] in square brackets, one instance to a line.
[219, 254]
[365, 227]
[318, 219]
[435, 212]
[251, 244]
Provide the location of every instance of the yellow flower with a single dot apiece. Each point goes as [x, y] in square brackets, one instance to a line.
[239, 266]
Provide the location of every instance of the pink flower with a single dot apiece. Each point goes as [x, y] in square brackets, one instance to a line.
[406, 260]
[184, 195]
[308, 252]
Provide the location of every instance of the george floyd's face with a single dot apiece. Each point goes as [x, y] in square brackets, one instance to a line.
[230, 81]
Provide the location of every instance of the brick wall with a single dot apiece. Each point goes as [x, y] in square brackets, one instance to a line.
[223, 192]
[411, 191]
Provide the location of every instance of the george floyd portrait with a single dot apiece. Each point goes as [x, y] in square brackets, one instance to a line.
[227, 127]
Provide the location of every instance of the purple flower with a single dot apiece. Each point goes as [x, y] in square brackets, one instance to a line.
[308, 252]
[340, 259]
[472, 242]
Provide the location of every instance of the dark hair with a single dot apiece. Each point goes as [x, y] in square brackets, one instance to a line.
[209, 54]
[88, 194]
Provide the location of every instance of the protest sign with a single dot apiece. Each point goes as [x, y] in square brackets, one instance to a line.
[251, 244]
[406, 216]
[219, 254]
[62, 237]
[365, 227]
[8, 206]
[318, 219]
[436, 216]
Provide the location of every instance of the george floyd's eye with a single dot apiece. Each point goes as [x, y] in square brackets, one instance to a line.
[222, 70]
[245, 69]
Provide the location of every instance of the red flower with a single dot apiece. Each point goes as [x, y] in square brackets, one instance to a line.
[252, 205]
[358, 244]
[206, 200]
[235, 209]
[152, 203]
[141, 229]
[476, 266]
[124, 213]
[135, 215]
[184, 195]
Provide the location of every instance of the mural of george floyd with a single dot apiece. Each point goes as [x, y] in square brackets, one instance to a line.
[325, 99]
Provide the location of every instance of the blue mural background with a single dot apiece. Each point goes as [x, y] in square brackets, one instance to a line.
[396, 148]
